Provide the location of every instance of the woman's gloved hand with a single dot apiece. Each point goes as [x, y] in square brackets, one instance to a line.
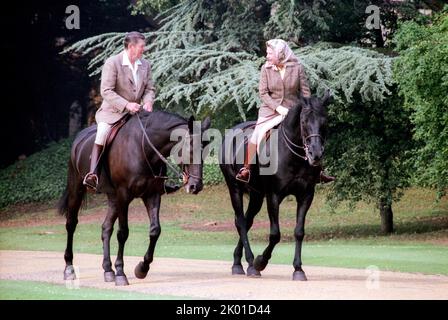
[282, 110]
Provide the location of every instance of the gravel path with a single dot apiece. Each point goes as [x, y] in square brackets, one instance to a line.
[212, 279]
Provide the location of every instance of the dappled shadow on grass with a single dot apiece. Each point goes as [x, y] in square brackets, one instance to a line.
[417, 228]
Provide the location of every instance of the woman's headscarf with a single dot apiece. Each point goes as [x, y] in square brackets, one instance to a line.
[282, 51]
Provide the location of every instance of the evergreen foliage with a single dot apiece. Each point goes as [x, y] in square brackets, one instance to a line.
[368, 147]
[421, 72]
[207, 54]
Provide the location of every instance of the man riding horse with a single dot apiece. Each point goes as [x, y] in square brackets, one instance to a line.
[126, 81]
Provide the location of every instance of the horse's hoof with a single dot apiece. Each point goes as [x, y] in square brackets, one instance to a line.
[299, 276]
[69, 273]
[121, 281]
[140, 270]
[109, 276]
[252, 272]
[260, 263]
[237, 269]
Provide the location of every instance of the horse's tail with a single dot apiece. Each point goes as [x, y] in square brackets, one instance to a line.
[63, 203]
[72, 189]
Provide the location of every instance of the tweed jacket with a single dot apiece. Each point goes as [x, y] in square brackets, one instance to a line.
[118, 88]
[274, 91]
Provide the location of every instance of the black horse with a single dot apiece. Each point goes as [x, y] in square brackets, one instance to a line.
[300, 150]
[131, 169]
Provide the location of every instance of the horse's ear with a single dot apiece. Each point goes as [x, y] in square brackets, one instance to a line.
[190, 124]
[206, 124]
[328, 98]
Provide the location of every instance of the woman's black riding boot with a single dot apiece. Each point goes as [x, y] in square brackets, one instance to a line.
[91, 178]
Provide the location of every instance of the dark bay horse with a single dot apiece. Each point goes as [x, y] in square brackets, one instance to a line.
[131, 169]
[300, 148]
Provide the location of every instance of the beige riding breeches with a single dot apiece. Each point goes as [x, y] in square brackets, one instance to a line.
[263, 126]
[102, 130]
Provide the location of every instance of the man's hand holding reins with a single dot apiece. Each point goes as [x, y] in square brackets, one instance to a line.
[133, 107]
[148, 106]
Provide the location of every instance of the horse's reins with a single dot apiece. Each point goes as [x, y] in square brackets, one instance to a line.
[289, 143]
[185, 173]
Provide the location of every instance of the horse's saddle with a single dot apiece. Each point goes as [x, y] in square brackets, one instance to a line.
[264, 143]
[104, 184]
[114, 130]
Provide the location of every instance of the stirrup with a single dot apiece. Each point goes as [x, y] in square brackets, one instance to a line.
[89, 185]
[240, 171]
[169, 188]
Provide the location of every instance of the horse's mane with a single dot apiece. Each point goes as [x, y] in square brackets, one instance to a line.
[163, 118]
[315, 106]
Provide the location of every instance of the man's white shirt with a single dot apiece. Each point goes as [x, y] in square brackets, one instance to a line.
[127, 62]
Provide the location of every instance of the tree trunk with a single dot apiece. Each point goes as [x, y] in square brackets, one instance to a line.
[75, 122]
[379, 41]
[387, 217]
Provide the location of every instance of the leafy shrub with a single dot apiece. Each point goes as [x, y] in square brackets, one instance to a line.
[43, 175]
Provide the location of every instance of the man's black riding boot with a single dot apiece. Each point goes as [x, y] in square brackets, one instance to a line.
[91, 178]
[323, 178]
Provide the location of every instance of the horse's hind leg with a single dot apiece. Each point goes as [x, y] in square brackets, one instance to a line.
[152, 204]
[255, 203]
[121, 207]
[71, 202]
[107, 229]
[236, 197]
[274, 236]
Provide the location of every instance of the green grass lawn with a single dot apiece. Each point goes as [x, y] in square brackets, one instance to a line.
[179, 243]
[32, 290]
[341, 237]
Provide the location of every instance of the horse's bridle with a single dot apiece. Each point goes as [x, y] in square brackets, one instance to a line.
[304, 147]
[185, 172]
[184, 175]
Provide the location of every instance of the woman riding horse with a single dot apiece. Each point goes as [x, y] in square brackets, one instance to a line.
[282, 80]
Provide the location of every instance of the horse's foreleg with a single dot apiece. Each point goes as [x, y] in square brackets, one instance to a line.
[303, 204]
[122, 235]
[152, 204]
[107, 229]
[274, 236]
[255, 203]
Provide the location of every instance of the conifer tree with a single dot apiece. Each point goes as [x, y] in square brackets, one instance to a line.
[206, 57]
